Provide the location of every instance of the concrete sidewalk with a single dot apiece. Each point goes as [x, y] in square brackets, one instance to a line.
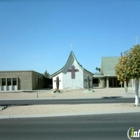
[67, 94]
[68, 110]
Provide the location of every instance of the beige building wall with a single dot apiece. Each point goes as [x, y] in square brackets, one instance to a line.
[27, 80]
[38, 80]
[24, 78]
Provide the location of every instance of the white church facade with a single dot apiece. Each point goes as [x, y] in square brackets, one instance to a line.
[72, 75]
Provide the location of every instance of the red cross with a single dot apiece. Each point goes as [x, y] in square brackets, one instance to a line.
[73, 70]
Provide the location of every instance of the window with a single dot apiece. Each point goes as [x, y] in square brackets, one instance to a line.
[3, 82]
[9, 81]
[14, 81]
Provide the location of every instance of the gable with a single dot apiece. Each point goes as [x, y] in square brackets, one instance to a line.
[71, 60]
[108, 66]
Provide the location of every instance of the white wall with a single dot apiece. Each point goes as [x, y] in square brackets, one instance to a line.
[9, 87]
[68, 82]
[60, 83]
[14, 87]
[3, 88]
[65, 76]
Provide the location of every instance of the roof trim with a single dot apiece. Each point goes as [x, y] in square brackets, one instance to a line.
[59, 71]
[7, 71]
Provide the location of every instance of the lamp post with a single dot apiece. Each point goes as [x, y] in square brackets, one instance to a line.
[37, 85]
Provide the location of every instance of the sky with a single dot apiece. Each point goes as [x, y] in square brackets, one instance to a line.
[37, 34]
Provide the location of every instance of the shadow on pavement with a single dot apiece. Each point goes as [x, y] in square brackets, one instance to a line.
[112, 97]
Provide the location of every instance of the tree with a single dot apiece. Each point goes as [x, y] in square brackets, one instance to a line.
[46, 74]
[122, 72]
[129, 67]
[98, 69]
[134, 68]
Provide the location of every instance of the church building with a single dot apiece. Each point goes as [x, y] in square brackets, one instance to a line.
[72, 75]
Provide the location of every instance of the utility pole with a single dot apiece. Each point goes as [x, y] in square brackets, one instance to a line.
[137, 40]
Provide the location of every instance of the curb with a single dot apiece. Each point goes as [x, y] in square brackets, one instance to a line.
[63, 98]
[64, 115]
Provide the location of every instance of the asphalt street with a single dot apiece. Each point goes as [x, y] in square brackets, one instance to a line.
[112, 99]
[88, 127]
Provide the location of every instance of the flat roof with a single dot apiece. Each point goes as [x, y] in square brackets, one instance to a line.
[19, 71]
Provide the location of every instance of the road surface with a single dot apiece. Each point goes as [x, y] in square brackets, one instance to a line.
[67, 101]
[88, 127]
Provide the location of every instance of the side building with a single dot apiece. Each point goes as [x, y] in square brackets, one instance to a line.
[21, 80]
[107, 76]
